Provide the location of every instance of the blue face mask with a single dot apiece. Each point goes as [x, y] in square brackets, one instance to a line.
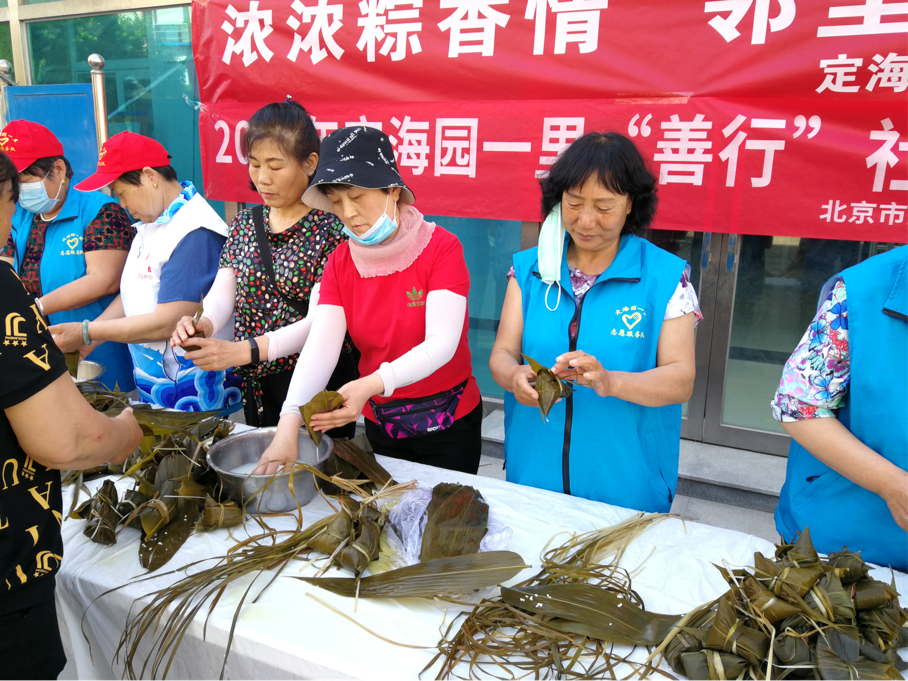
[33, 197]
[381, 230]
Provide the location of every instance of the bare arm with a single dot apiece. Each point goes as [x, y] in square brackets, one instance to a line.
[58, 429]
[102, 277]
[7, 259]
[143, 328]
[672, 381]
[836, 446]
[505, 360]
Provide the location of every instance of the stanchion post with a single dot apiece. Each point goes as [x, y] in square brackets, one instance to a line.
[5, 81]
[96, 62]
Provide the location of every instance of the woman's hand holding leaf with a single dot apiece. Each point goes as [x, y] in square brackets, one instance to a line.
[218, 355]
[186, 327]
[68, 337]
[584, 369]
[521, 387]
[356, 394]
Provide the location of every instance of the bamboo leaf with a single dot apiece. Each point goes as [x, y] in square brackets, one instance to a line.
[616, 619]
[323, 402]
[364, 461]
[156, 550]
[457, 520]
[440, 576]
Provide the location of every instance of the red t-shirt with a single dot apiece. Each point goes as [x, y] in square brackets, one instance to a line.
[386, 316]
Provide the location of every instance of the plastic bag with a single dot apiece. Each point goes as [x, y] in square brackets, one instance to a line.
[407, 522]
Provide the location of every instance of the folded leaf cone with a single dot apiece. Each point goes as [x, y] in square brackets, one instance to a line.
[853, 565]
[801, 553]
[323, 402]
[216, 516]
[102, 515]
[457, 519]
[440, 576]
[195, 323]
[711, 664]
[548, 386]
[731, 635]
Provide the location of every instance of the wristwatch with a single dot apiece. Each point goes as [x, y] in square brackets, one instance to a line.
[255, 350]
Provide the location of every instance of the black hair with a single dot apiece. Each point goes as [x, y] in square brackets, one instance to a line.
[134, 177]
[289, 125]
[619, 167]
[340, 186]
[42, 167]
[8, 173]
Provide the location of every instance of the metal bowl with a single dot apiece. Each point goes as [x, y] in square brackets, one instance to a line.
[88, 371]
[245, 448]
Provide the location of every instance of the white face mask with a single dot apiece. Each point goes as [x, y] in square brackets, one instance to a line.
[381, 230]
[550, 253]
[33, 197]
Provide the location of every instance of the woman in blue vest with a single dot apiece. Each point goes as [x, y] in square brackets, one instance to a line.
[170, 267]
[610, 311]
[843, 399]
[68, 248]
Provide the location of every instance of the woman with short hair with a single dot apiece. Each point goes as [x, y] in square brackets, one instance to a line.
[399, 287]
[611, 312]
[269, 270]
[171, 265]
[67, 247]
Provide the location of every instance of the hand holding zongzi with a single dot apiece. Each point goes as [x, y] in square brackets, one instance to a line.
[523, 390]
[584, 369]
[356, 394]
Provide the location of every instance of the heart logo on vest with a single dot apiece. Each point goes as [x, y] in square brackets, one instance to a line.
[73, 242]
[631, 320]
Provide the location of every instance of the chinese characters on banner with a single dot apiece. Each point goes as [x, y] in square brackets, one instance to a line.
[758, 116]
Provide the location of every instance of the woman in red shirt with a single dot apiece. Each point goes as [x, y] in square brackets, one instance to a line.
[400, 288]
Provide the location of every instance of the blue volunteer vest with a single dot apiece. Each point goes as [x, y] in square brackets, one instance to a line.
[875, 410]
[599, 448]
[63, 261]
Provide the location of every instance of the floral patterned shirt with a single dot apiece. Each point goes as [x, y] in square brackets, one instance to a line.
[299, 253]
[816, 377]
[111, 230]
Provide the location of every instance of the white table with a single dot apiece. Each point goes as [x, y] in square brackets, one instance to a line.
[287, 635]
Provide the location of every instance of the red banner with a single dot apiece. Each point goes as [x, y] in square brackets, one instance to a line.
[759, 116]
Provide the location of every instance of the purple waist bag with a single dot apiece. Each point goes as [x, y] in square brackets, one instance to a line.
[423, 416]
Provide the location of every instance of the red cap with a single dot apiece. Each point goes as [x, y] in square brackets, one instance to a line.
[25, 142]
[121, 153]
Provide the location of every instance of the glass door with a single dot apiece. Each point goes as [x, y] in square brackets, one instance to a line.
[766, 296]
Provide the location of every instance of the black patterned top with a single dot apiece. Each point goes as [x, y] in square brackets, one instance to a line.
[299, 253]
[110, 230]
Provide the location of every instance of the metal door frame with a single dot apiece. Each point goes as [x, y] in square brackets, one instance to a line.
[692, 424]
[714, 431]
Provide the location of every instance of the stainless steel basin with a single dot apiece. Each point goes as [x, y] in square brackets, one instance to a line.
[245, 448]
[88, 371]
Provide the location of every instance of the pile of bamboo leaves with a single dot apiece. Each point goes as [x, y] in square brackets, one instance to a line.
[174, 492]
[344, 540]
[797, 616]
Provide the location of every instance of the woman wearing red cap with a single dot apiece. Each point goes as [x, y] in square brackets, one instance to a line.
[68, 248]
[170, 267]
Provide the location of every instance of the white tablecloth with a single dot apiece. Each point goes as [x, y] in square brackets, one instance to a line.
[287, 635]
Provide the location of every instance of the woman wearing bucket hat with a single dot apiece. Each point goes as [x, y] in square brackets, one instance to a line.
[171, 265]
[67, 247]
[400, 287]
[610, 311]
[270, 268]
